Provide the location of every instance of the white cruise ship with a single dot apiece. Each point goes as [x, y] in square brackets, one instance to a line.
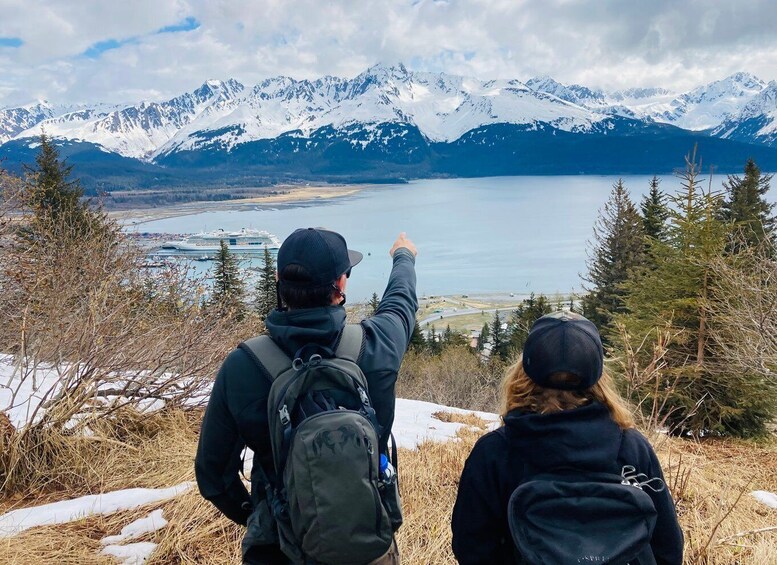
[206, 244]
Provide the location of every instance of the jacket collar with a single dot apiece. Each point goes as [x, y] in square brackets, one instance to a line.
[293, 329]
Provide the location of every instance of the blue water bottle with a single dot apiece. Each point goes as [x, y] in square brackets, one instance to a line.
[387, 472]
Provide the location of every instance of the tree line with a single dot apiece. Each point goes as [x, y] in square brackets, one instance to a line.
[663, 284]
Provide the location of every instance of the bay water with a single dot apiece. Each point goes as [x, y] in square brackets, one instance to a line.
[478, 235]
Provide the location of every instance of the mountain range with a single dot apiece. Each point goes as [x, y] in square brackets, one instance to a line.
[389, 122]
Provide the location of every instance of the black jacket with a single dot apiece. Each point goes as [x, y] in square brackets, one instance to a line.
[237, 411]
[586, 438]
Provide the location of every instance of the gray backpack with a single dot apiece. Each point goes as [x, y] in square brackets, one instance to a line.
[327, 497]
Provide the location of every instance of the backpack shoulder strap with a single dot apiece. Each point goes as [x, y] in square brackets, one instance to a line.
[351, 343]
[267, 355]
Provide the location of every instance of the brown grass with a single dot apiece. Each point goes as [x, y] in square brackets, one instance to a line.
[707, 479]
[470, 419]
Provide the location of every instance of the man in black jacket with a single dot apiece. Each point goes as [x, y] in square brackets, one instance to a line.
[313, 268]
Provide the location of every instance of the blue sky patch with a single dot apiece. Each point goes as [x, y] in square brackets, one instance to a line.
[95, 50]
[188, 24]
[10, 42]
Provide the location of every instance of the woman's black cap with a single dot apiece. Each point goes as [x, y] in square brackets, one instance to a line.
[563, 342]
[323, 254]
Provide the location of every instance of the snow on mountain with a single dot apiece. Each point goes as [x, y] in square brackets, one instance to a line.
[574, 93]
[757, 121]
[136, 131]
[706, 106]
[443, 107]
[15, 120]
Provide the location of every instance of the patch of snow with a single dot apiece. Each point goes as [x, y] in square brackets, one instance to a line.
[414, 422]
[132, 553]
[16, 521]
[151, 523]
[766, 497]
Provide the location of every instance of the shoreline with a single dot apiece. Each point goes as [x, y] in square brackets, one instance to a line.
[293, 194]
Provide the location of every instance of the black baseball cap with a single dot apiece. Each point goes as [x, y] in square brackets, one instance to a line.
[323, 254]
[563, 342]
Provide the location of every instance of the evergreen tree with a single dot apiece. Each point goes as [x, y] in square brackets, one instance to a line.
[696, 392]
[373, 303]
[417, 340]
[435, 346]
[617, 249]
[654, 211]
[56, 202]
[524, 317]
[745, 205]
[266, 296]
[452, 339]
[499, 343]
[228, 286]
[484, 337]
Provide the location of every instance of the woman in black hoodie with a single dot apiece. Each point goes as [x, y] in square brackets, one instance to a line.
[559, 411]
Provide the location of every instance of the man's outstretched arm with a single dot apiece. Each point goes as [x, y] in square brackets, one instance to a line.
[392, 324]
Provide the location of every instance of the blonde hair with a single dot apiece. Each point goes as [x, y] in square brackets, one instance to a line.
[520, 392]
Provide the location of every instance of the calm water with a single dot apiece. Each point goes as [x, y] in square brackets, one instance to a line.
[494, 235]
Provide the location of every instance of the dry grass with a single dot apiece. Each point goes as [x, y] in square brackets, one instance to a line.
[470, 419]
[707, 479]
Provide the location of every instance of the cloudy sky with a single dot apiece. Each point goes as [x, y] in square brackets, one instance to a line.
[103, 50]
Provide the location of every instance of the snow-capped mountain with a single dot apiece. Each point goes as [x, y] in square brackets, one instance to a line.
[13, 121]
[757, 121]
[708, 106]
[222, 115]
[138, 130]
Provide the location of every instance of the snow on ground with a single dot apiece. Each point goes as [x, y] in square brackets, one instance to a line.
[151, 523]
[132, 553]
[414, 422]
[768, 498]
[22, 394]
[64, 511]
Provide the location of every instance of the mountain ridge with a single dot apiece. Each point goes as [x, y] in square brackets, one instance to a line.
[390, 123]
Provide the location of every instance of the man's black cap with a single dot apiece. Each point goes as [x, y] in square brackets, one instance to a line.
[322, 254]
[563, 342]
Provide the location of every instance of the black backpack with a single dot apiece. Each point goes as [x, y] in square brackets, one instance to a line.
[568, 516]
[328, 502]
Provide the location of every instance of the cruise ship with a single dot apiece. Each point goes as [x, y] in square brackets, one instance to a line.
[204, 245]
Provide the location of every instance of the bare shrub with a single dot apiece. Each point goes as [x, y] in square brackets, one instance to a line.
[456, 377]
[92, 334]
[645, 376]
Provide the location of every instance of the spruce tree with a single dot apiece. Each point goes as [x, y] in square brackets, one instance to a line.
[484, 337]
[695, 392]
[524, 317]
[228, 286]
[435, 346]
[57, 204]
[617, 249]
[654, 211]
[451, 338]
[266, 296]
[499, 343]
[374, 303]
[417, 340]
[745, 206]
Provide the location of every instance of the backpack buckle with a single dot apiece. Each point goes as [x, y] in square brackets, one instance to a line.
[284, 414]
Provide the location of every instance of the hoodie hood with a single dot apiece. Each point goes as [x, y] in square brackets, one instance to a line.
[294, 329]
[584, 438]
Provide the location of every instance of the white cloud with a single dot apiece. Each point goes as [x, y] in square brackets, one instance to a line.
[608, 43]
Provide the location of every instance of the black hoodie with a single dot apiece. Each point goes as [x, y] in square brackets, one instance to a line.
[585, 438]
[237, 410]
